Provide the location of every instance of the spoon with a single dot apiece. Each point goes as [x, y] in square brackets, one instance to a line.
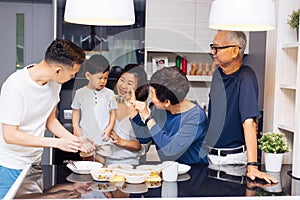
[71, 163]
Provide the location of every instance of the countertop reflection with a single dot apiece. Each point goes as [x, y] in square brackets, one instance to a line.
[58, 182]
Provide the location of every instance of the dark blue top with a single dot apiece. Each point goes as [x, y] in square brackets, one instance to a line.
[178, 137]
[233, 99]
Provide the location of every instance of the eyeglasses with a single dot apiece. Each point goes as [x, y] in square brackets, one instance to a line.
[215, 49]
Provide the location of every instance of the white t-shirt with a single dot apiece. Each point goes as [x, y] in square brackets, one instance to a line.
[28, 105]
[95, 107]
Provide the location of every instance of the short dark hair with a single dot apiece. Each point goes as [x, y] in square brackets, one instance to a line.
[65, 53]
[163, 61]
[96, 63]
[170, 83]
[142, 90]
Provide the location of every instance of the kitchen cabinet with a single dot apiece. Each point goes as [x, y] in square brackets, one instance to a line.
[282, 82]
[170, 25]
[179, 27]
[203, 35]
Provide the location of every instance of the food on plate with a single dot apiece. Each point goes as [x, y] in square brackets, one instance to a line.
[153, 178]
[135, 174]
[103, 174]
[153, 184]
[103, 186]
[149, 168]
[120, 166]
[118, 178]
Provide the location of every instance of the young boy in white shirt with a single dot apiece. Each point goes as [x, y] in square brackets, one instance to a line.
[94, 108]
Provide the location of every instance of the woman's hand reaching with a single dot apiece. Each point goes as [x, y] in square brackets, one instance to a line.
[116, 139]
[139, 106]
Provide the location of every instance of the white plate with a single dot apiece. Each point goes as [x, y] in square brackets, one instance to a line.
[84, 167]
[103, 186]
[134, 188]
[80, 178]
[183, 177]
[182, 168]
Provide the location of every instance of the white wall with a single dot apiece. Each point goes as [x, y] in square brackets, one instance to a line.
[38, 34]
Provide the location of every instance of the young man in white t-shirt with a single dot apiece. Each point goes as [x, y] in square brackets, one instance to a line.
[28, 106]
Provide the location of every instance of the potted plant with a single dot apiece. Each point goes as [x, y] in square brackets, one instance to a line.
[273, 145]
[293, 21]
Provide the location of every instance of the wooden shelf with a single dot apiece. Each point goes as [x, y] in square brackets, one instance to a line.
[288, 86]
[282, 81]
[199, 78]
[290, 45]
[286, 128]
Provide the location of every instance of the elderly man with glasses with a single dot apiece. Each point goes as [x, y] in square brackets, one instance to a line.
[233, 107]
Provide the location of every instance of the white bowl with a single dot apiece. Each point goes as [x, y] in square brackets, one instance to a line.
[182, 168]
[149, 168]
[136, 176]
[103, 174]
[84, 167]
[120, 166]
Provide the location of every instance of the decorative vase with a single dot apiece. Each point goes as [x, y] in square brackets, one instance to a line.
[297, 33]
[273, 161]
[277, 187]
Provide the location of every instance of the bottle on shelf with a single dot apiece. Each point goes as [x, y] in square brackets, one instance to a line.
[178, 62]
[184, 65]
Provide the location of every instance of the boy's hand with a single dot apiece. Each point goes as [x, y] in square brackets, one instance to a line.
[77, 131]
[106, 134]
[88, 145]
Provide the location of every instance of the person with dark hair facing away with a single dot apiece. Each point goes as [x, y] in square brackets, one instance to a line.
[28, 106]
[176, 125]
[94, 108]
[126, 148]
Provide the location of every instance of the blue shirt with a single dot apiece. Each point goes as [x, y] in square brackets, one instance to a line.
[178, 137]
[233, 99]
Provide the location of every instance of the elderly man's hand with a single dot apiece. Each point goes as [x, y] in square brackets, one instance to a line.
[253, 172]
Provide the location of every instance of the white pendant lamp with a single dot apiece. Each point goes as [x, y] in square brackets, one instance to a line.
[100, 12]
[242, 15]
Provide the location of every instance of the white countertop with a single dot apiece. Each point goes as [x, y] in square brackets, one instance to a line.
[14, 188]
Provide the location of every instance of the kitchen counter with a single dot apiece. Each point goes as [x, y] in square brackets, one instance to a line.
[57, 181]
